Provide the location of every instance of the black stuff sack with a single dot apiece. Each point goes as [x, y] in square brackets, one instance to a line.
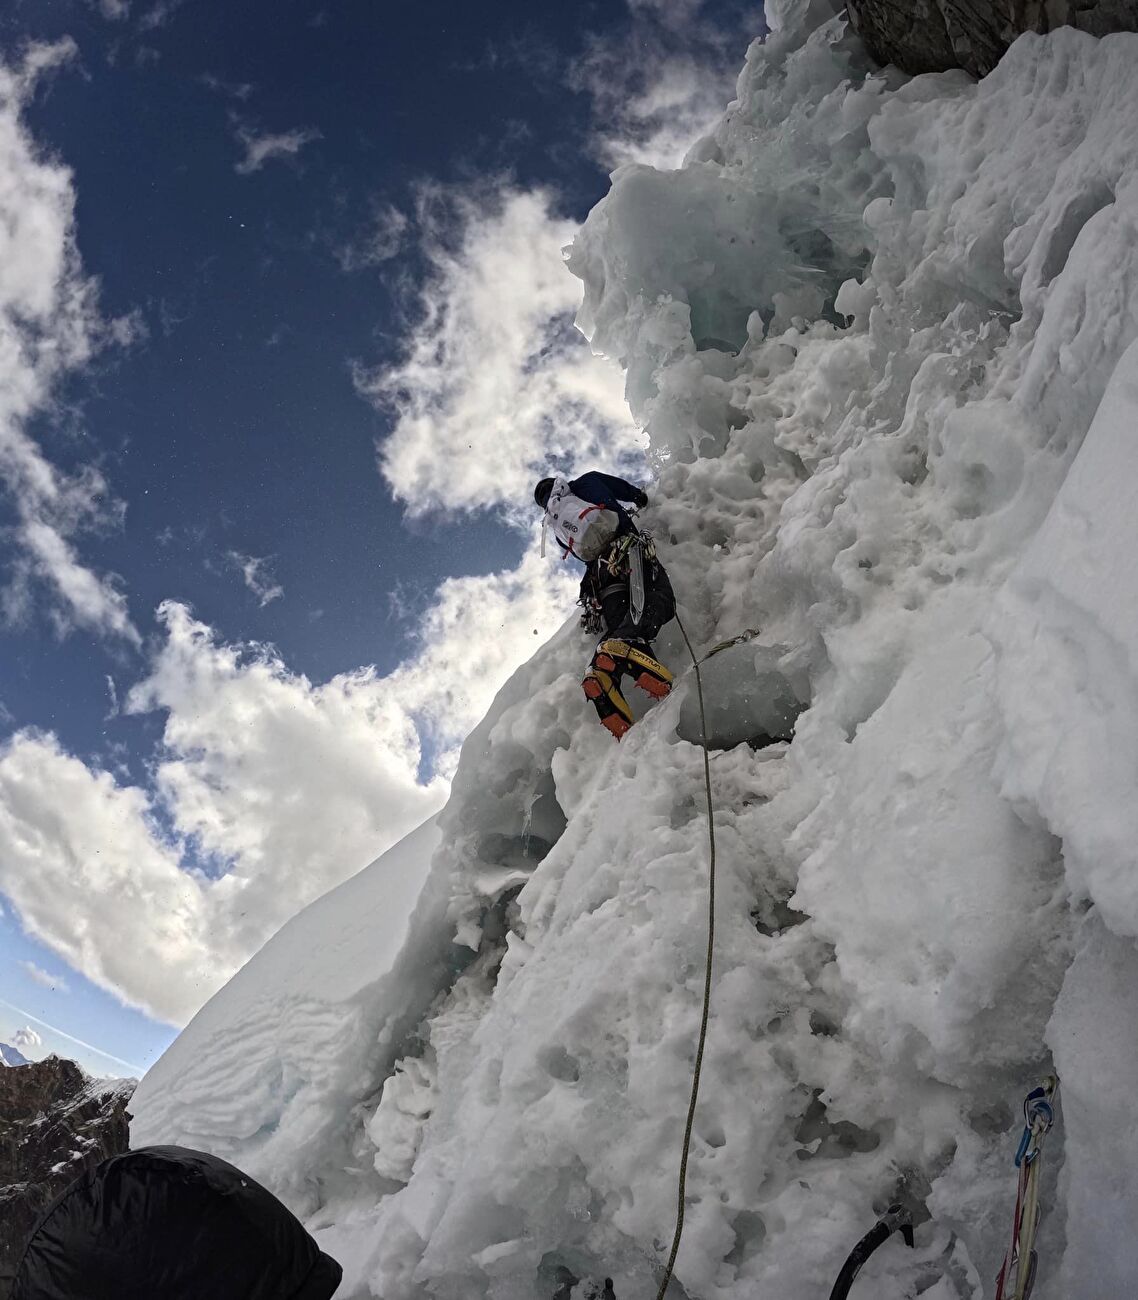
[175, 1224]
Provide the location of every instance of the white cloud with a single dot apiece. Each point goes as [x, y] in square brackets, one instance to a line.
[230, 89]
[113, 10]
[158, 15]
[300, 793]
[262, 148]
[90, 876]
[257, 574]
[49, 326]
[478, 630]
[494, 383]
[297, 785]
[660, 86]
[270, 790]
[26, 1039]
[91, 601]
[42, 977]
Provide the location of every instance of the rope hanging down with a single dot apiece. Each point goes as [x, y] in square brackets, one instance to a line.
[707, 977]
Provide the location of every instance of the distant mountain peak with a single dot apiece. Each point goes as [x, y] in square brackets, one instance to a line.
[10, 1055]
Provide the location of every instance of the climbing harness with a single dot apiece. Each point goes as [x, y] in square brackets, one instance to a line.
[707, 977]
[1017, 1276]
[895, 1219]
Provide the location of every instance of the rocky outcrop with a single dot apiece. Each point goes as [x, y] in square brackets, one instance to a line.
[935, 35]
[55, 1122]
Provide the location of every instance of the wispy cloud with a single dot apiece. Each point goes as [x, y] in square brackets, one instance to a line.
[48, 981]
[385, 236]
[159, 15]
[263, 147]
[137, 1070]
[660, 85]
[493, 384]
[50, 326]
[113, 10]
[240, 90]
[256, 571]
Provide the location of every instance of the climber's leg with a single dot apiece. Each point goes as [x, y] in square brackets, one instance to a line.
[600, 686]
[636, 659]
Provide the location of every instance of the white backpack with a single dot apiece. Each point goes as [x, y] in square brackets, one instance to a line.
[583, 528]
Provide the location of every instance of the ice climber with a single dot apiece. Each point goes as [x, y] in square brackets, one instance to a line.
[625, 592]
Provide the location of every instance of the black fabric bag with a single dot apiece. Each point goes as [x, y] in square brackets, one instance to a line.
[166, 1223]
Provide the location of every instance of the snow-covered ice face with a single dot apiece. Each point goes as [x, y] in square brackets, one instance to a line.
[868, 329]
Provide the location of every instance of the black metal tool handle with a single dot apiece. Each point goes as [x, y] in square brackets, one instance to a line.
[895, 1219]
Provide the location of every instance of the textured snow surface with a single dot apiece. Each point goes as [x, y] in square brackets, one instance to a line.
[879, 333]
[264, 1072]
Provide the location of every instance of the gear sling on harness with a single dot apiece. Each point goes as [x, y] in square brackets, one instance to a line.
[1017, 1276]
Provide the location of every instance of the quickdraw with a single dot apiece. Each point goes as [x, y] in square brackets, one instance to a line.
[1017, 1276]
[748, 635]
[592, 616]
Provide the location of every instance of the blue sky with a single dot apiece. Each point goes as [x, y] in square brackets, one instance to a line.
[319, 233]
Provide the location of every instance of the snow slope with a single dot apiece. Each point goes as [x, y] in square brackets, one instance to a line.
[264, 1071]
[879, 332]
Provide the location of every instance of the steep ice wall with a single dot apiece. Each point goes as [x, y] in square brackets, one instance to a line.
[867, 328]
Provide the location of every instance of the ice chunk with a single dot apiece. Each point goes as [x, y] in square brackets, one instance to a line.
[747, 697]
[1068, 633]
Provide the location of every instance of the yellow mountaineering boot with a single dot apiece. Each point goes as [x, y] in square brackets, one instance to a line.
[612, 708]
[648, 673]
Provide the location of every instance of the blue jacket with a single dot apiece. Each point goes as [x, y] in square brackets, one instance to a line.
[608, 490]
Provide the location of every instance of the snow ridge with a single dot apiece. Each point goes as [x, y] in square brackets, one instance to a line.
[879, 332]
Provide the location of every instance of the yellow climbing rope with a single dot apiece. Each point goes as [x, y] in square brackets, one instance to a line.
[707, 978]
